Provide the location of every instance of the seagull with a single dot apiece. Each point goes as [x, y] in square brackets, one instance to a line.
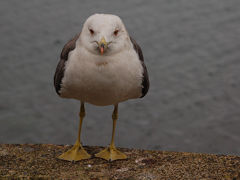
[102, 65]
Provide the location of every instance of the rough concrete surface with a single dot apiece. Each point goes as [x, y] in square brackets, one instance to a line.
[39, 161]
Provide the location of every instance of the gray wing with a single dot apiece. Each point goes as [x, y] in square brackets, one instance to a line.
[145, 79]
[61, 65]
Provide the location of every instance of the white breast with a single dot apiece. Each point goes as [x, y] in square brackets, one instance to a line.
[102, 80]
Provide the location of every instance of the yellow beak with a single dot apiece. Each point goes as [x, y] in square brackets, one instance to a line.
[102, 45]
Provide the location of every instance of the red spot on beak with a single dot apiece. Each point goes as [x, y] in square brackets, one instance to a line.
[101, 50]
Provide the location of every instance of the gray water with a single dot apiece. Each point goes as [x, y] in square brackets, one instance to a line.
[191, 49]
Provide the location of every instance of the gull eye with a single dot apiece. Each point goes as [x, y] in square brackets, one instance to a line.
[116, 32]
[91, 31]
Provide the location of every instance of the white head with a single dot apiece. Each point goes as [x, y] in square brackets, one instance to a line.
[104, 34]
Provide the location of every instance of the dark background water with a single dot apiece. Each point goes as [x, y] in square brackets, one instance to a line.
[191, 49]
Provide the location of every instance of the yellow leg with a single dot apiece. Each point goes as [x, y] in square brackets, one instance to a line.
[111, 153]
[77, 152]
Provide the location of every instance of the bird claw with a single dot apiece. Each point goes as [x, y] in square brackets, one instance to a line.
[76, 153]
[111, 154]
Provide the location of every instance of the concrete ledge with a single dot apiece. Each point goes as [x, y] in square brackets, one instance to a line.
[39, 161]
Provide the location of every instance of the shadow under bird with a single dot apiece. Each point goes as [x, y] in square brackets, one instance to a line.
[102, 66]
